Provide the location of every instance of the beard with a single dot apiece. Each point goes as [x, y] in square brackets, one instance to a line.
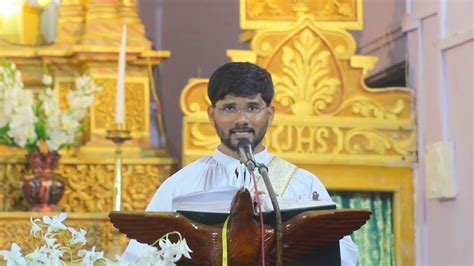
[227, 141]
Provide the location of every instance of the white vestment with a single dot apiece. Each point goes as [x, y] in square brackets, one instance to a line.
[222, 170]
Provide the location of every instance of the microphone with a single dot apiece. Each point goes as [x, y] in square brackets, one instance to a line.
[246, 154]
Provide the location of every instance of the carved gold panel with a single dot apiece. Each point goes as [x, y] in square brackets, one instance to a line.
[137, 107]
[257, 14]
[89, 182]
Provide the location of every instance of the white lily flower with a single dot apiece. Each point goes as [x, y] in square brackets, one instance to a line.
[50, 241]
[8, 80]
[26, 98]
[35, 228]
[82, 81]
[55, 223]
[151, 256]
[52, 253]
[13, 256]
[119, 261]
[10, 102]
[69, 124]
[18, 76]
[47, 80]
[4, 119]
[184, 248]
[54, 121]
[56, 255]
[38, 257]
[90, 257]
[50, 103]
[22, 122]
[78, 237]
[150, 253]
[165, 243]
[170, 251]
[57, 138]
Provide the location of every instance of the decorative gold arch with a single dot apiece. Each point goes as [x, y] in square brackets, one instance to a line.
[328, 121]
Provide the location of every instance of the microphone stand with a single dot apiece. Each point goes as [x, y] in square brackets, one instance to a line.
[263, 170]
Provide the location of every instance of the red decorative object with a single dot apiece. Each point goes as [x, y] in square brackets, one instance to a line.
[44, 189]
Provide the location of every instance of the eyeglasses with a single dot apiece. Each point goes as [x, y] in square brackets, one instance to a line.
[233, 110]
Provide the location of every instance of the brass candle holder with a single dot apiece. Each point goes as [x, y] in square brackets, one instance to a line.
[118, 135]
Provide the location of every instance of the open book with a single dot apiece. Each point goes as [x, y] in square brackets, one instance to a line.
[213, 206]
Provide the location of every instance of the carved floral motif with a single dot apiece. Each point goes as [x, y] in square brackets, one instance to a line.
[366, 107]
[260, 7]
[307, 83]
[337, 7]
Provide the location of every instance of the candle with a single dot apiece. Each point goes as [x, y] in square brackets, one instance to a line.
[120, 97]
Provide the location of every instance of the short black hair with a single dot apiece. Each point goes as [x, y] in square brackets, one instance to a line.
[241, 79]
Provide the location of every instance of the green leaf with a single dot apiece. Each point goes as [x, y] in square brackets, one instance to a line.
[4, 130]
[37, 109]
[7, 141]
[31, 146]
[41, 131]
[81, 128]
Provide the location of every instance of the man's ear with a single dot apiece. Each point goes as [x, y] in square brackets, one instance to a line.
[210, 114]
[271, 114]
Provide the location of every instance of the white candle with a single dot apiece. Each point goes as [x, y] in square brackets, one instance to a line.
[120, 97]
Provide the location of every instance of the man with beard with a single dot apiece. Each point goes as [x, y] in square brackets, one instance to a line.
[241, 96]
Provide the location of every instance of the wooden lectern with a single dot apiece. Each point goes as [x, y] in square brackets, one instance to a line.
[309, 236]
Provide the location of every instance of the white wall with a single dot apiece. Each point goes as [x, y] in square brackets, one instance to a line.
[441, 52]
[382, 35]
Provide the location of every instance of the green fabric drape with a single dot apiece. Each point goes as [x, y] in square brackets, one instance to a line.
[375, 239]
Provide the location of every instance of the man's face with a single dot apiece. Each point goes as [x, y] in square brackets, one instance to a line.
[236, 118]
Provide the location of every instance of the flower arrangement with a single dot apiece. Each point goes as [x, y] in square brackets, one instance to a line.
[27, 122]
[52, 230]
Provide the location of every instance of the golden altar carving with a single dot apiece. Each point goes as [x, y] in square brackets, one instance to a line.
[327, 120]
[87, 42]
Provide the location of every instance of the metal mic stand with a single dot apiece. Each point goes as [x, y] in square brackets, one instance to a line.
[263, 170]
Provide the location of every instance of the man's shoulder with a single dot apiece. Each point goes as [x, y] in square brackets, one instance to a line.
[191, 169]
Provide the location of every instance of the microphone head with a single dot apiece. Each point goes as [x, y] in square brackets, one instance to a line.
[244, 143]
[244, 147]
[246, 154]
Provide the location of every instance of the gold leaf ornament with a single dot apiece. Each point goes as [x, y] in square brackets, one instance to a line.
[368, 108]
[334, 6]
[360, 141]
[305, 83]
[258, 8]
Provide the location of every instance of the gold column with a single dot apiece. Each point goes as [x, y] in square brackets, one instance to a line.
[129, 14]
[70, 23]
[103, 24]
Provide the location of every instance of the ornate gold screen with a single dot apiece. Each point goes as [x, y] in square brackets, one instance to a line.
[88, 38]
[328, 121]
